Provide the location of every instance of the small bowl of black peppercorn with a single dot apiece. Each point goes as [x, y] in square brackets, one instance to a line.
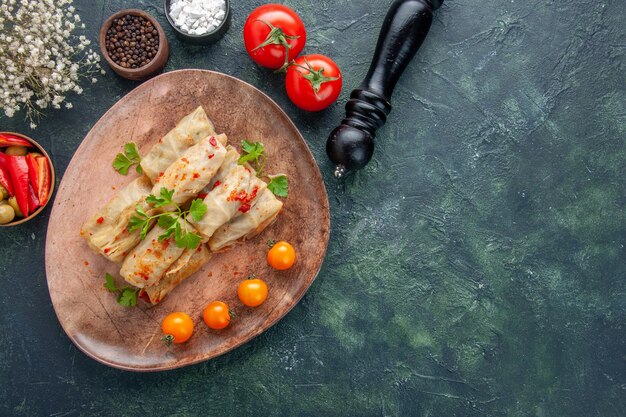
[134, 45]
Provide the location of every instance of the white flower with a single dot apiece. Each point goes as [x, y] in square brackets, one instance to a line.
[42, 58]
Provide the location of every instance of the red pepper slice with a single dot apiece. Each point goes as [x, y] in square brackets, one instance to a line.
[5, 177]
[18, 169]
[32, 171]
[7, 139]
[33, 201]
[43, 179]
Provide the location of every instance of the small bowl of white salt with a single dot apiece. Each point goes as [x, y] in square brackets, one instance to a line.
[199, 22]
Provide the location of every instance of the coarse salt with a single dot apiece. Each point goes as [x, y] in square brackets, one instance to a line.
[198, 17]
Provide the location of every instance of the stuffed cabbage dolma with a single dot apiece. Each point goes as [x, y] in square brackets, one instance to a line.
[146, 264]
[230, 163]
[190, 130]
[248, 224]
[188, 264]
[106, 231]
[234, 196]
[193, 170]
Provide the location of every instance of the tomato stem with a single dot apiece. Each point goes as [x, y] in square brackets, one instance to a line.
[168, 339]
[271, 243]
[277, 37]
[315, 77]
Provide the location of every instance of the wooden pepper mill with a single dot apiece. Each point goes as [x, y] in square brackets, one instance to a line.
[406, 25]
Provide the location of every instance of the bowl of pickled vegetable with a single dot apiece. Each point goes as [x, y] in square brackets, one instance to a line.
[26, 179]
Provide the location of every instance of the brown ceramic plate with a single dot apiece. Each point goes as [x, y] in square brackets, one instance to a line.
[129, 338]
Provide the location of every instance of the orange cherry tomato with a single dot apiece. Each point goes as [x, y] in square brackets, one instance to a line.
[281, 256]
[216, 315]
[177, 327]
[252, 292]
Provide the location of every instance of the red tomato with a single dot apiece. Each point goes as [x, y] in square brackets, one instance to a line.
[313, 82]
[272, 30]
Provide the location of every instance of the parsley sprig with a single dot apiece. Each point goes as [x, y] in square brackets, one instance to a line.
[130, 157]
[169, 221]
[278, 185]
[254, 154]
[127, 295]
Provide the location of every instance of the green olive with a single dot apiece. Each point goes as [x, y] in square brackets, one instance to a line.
[16, 207]
[16, 151]
[7, 214]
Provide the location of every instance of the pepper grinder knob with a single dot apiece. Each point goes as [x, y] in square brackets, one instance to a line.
[351, 145]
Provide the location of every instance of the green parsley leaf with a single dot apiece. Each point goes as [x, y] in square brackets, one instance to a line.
[110, 283]
[153, 200]
[168, 223]
[139, 222]
[164, 200]
[121, 164]
[168, 233]
[197, 210]
[188, 240]
[135, 223]
[128, 297]
[179, 233]
[249, 147]
[165, 222]
[131, 152]
[167, 195]
[130, 157]
[279, 185]
[251, 152]
[140, 211]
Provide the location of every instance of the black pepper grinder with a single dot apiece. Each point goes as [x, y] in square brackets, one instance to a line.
[351, 144]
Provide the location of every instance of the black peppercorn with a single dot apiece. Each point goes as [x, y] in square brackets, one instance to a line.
[132, 41]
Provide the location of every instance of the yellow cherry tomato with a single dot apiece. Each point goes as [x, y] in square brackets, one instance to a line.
[177, 327]
[216, 315]
[281, 256]
[252, 292]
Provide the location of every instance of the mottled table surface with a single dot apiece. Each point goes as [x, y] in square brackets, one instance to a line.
[475, 268]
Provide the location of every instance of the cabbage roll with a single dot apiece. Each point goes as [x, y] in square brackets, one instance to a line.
[231, 198]
[193, 170]
[230, 162]
[190, 130]
[249, 224]
[146, 264]
[106, 231]
[188, 264]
